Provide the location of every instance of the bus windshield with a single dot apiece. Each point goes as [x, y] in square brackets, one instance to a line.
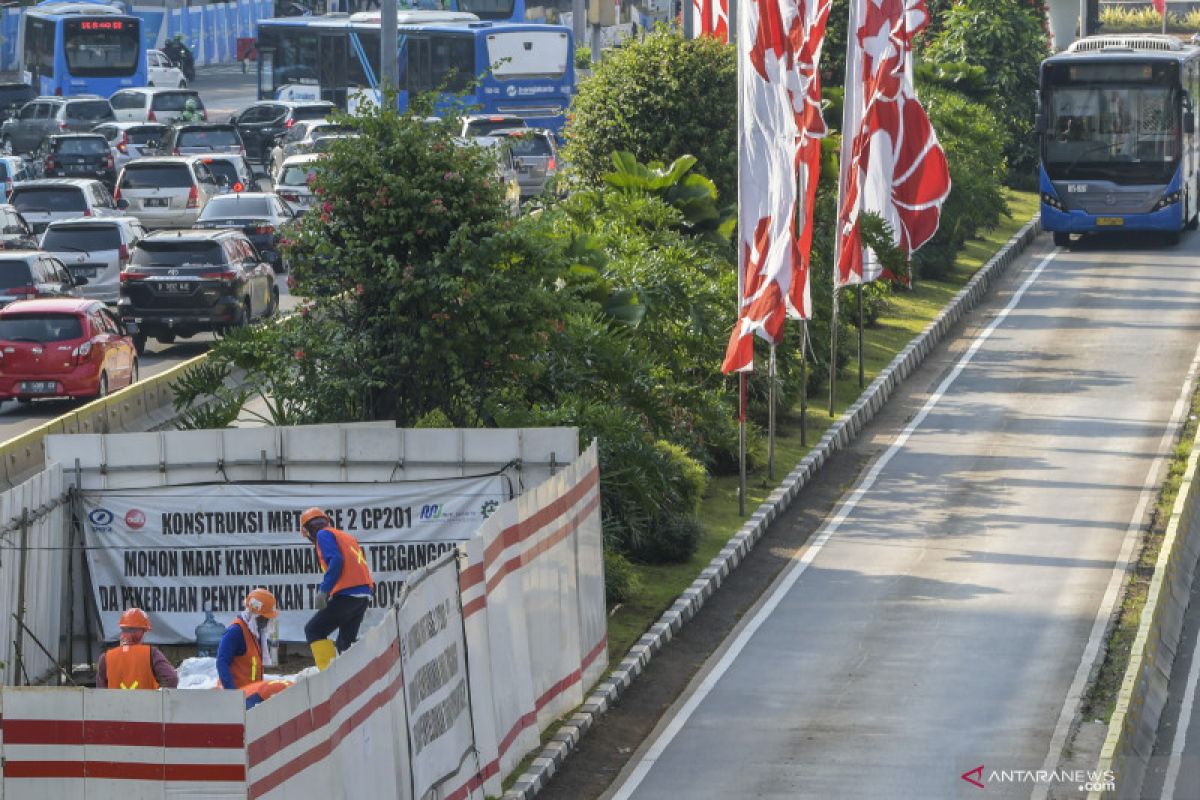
[487, 9]
[102, 47]
[1128, 134]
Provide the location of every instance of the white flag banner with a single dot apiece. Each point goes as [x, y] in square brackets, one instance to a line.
[891, 162]
[779, 157]
[433, 651]
[710, 18]
[177, 551]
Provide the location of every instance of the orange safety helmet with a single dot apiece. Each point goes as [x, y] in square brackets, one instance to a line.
[134, 618]
[262, 603]
[311, 514]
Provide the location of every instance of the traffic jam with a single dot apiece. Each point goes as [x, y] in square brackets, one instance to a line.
[135, 218]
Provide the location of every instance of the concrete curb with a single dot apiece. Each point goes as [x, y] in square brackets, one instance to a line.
[1144, 692]
[836, 438]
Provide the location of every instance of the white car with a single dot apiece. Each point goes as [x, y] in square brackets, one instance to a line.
[48, 199]
[153, 104]
[94, 248]
[161, 72]
[166, 191]
[291, 181]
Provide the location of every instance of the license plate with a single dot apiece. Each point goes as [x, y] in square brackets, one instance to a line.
[86, 272]
[1110, 222]
[174, 287]
[39, 387]
[156, 202]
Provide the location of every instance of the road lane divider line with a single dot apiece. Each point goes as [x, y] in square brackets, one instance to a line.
[793, 571]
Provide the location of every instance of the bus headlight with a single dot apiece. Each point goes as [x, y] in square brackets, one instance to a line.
[1168, 200]
[1052, 201]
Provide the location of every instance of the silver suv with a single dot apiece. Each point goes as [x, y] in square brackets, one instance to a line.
[43, 201]
[45, 116]
[96, 249]
[166, 191]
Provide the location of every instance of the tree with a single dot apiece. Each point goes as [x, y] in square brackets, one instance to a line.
[1007, 38]
[660, 98]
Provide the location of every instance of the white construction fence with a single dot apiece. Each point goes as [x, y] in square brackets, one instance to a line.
[442, 697]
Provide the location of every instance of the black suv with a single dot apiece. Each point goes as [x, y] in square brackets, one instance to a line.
[179, 283]
[78, 155]
[201, 139]
[262, 123]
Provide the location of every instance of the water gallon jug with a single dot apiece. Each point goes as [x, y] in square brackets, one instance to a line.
[208, 635]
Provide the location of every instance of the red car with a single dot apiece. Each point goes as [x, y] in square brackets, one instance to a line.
[63, 347]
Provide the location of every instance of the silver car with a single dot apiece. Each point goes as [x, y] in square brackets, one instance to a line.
[166, 191]
[292, 181]
[48, 199]
[299, 139]
[535, 156]
[130, 140]
[96, 249]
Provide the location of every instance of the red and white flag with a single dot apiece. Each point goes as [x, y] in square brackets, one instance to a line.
[1160, 6]
[779, 162]
[891, 162]
[710, 18]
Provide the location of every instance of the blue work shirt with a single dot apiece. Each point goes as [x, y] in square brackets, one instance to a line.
[333, 566]
[233, 644]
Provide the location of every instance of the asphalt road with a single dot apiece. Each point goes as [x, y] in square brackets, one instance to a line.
[946, 615]
[224, 89]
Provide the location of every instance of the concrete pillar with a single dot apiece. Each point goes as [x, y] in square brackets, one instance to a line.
[1063, 16]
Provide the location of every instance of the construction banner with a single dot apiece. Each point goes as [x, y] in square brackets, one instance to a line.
[178, 551]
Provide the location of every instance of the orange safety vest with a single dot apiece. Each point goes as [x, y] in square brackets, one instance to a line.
[264, 689]
[355, 571]
[130, 666]
[246, 668]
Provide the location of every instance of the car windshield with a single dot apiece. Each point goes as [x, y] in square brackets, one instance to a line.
[231, 206]
[177, 254]
[91, 146]
[297, 175]
[89, 110]
[175, 101]
[49, 198]
[311, 112]
[156, 176]
[208, 137]
[322, 144]
[14, 273]
[223, 168]
[81, 238]
[529, 146]
[40, 327]
[143, 135]
[484, 127]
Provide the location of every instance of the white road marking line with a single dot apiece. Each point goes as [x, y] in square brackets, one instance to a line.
[1066, 716]
[793, 572]
[1181, 728]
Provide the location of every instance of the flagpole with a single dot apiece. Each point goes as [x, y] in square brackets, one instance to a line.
[1164, 18]
[742, 444]
[771, 415]
[833, 319]
[804, 384]
[861, 375]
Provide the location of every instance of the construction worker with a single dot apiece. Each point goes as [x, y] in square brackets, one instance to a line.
[259, 691]
[345, 591]
[131, 664]
[240, 654]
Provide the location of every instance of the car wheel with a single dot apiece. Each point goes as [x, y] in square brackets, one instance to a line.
[183, 84]
[103, 390]
[273, 309]
[139, 343]
[246, 313]
[25, 401]
[133, 373]
[166, 338]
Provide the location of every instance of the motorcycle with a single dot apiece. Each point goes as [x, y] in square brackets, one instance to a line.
[181, 56]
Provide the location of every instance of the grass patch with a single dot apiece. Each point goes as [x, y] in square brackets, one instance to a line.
[906, 316]
[1101, 698]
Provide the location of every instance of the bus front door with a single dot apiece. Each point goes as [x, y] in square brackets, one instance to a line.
[333, 75]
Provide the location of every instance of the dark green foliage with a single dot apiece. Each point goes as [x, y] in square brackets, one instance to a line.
[971, 137]
[673, 539]
[660, 98]
[1007, 39]
[620, 580]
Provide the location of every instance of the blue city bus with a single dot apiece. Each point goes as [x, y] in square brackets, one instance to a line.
[81, 48]
[1117, 124]
[488, 10]
[525, 69]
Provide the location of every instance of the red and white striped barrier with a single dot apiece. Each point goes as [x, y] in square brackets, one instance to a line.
[101, 744]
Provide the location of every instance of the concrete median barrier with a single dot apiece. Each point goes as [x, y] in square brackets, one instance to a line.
[141, 407]
[1129, 745]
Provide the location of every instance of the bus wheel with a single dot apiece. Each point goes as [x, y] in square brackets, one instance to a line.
[1193, 223]
[1062, 239]
[1172, 238]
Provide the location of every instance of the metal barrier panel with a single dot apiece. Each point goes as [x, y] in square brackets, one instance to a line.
[43, 743]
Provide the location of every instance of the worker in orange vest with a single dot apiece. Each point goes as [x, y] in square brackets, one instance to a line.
[260, 691]
[131, 664]
[345, 591]
[240, 654]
